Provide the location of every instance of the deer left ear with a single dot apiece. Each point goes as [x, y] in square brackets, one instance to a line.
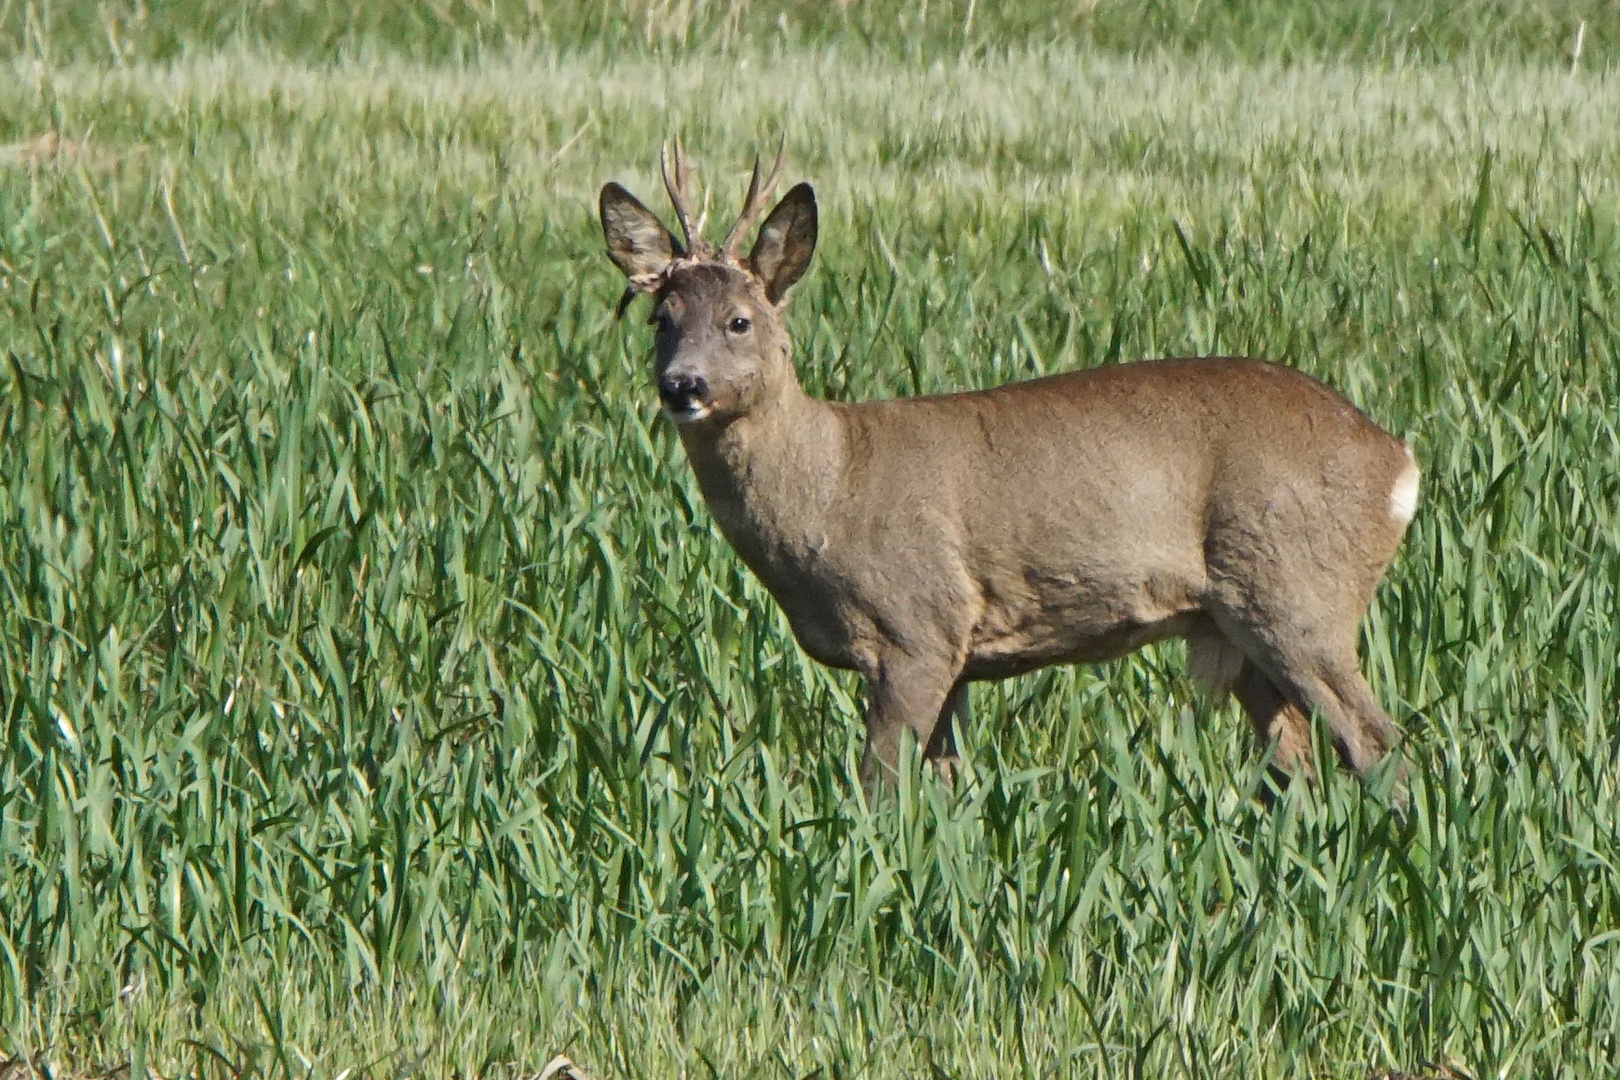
[637, 241]
[786, 241]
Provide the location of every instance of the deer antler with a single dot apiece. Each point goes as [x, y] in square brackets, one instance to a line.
[758, 196]
[675, 183]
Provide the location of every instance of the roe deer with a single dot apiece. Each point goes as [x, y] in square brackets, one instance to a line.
[934, 541]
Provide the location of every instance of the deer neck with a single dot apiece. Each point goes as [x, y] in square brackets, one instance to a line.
[769, 477]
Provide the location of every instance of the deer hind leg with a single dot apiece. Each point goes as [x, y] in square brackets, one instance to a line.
[1280, 724]
[941, 748]
[1329, 680]
[1307, 654]
[1306, 667]
[1363, 733]
[1368, 737]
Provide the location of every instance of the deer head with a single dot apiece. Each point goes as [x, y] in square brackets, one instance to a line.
[721, 345]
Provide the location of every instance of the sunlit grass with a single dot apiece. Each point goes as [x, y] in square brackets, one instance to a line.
[1390, 33]
[377, 695]
[1049, 125]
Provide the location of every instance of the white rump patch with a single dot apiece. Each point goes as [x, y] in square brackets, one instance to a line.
[1403, 497]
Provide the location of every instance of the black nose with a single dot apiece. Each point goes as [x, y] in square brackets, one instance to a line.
[682, 388]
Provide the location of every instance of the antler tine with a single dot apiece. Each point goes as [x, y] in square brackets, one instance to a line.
[758, 196]
[675, 184]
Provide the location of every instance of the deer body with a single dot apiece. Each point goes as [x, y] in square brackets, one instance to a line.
[934, 541]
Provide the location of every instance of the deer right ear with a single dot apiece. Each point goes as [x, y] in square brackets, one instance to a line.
[786, 241]
[637, 241]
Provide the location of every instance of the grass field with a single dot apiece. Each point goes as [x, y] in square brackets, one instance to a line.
[378, 699]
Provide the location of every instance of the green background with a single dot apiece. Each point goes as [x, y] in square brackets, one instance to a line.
[378, 699]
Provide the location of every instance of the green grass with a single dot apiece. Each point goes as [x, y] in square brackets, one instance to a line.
[377, 696]
[1389, 32]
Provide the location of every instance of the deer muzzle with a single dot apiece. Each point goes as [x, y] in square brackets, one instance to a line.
[685, 396]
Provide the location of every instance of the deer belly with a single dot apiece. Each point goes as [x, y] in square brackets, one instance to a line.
[1051, 619]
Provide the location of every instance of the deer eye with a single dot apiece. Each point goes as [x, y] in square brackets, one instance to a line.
[738, 325]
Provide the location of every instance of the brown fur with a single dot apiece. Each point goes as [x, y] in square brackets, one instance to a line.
[934, 541]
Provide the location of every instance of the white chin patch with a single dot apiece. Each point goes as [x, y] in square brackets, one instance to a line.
[691, 414]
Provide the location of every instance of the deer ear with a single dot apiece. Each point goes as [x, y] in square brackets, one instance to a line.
[637, 241]
[786, 241]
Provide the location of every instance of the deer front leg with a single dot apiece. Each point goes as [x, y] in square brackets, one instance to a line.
[905, 693]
